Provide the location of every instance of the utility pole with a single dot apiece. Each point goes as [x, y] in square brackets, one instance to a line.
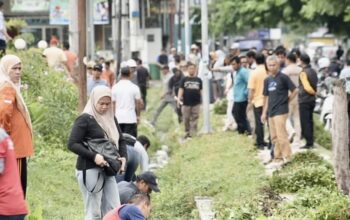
[125, 30]
[179, 41]
[134, 22]
[187, 28]
[117, 32]
[73, 26]
[205, 62]
[91, 29]
[82, 53]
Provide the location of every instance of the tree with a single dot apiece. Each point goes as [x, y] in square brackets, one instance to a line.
[232, 16]
[340, 138]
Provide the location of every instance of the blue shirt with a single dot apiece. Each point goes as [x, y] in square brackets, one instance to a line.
[91, 84]
[240, 90]
[131, 212]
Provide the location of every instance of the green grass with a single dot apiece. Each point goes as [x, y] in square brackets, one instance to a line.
[217, 165]
[220, 165]
[322, 137]
[52, 187]
[53, 191]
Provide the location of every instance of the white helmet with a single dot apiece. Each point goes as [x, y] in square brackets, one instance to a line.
[323, 62]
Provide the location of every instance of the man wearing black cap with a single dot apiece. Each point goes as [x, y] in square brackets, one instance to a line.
[146, 182]
[95, 80]
[307, 100]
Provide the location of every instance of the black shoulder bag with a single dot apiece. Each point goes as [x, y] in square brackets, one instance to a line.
[109, 151]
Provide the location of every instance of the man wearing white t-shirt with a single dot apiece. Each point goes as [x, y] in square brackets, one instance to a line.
[127, 103]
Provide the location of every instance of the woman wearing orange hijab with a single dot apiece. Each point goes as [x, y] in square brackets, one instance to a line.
[14, 115]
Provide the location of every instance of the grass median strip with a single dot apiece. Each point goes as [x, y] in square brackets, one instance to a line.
[220, 165]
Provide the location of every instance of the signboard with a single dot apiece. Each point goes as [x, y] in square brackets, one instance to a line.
[101, 15]
[59, 12]
[29, 5]
[264, 33]
[275, 33]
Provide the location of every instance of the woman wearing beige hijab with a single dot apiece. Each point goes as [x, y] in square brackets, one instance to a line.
[14, 115]
[100, 191]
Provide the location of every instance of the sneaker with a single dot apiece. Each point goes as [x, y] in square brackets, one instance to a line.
[296, 144]
[307, 147]
[187, 136]
[275, 164]
[261, 147]
[268, 162]
[225, 128]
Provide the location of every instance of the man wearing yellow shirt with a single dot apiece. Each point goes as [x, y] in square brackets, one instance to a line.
[256, 97]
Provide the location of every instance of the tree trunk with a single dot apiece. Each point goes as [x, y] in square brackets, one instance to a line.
[340, 138]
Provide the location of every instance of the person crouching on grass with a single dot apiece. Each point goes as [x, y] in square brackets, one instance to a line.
[138, 208]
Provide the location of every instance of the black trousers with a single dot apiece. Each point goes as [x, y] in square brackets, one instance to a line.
[306, 120]
[22, 168]
[239, 112]
[143, 90]
[12, 217]
[129, 129]
[259, 126]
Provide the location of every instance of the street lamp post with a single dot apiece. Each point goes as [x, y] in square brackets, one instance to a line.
[187, 28]
[205, 63]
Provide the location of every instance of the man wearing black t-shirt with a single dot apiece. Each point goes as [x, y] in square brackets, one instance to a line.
[276, 99]
[190, 97]
[143, 78]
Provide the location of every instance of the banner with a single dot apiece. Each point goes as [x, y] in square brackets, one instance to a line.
[101, 15]
[29, 6]
[59, 12]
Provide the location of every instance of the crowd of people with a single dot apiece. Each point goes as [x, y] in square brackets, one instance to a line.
[112, 113]
[267, 90]
[272, 90]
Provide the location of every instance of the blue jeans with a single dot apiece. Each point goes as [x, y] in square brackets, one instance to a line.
[131, 165]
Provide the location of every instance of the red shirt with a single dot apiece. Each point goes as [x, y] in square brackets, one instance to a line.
[113, 214]
[11, 195]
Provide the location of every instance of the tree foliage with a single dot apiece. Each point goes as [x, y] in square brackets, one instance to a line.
[232, 16]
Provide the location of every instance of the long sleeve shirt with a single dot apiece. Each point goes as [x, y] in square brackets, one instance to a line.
[86, 127]
[143, 156]
[14, 123]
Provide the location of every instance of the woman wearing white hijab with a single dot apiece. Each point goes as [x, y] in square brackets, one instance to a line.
[14, 115]
[100, 191]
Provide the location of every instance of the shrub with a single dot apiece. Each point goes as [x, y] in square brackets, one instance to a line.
[220, 107]
[51, 99]
[306, 170]
[299, 177]
[316, 203]
[262, 205]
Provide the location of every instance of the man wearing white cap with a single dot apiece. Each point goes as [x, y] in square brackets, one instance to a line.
[194, 56]
[132, 66]
[234, 49]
